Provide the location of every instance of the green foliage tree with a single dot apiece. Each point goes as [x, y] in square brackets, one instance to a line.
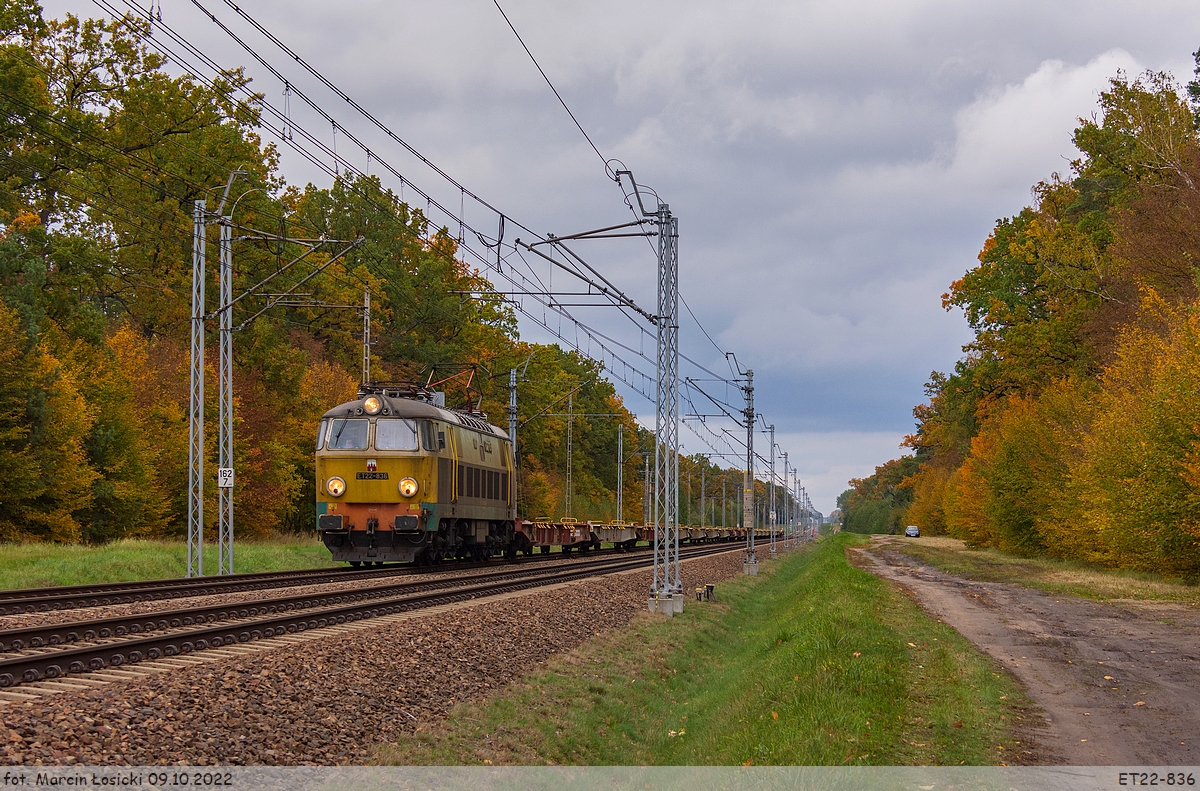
[879, 503]
[106, 153]
[1066, 427]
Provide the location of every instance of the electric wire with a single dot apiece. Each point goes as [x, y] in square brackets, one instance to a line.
[358, 107]
[281, 132]
[309, 324]
[608, 170]
[557, 95]
[346, 165]
[308, 67]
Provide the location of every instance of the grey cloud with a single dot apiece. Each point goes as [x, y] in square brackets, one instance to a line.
[835, 165]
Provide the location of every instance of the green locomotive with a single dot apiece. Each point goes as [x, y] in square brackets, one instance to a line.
[402, 479]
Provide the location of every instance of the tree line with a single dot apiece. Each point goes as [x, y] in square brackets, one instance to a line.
[1071, 426]
[104, 155]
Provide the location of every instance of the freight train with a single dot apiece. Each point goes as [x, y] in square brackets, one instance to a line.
[402, 479]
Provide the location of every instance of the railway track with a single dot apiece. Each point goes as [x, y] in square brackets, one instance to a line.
[31, 600]
[89, 630]
[80, 647]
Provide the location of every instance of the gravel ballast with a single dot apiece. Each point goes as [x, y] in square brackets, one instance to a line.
[329, 701]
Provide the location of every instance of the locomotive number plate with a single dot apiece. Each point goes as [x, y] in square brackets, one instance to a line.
[370, 476]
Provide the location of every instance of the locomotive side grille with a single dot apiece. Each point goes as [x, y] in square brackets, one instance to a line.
[444, 482]
[474, 482]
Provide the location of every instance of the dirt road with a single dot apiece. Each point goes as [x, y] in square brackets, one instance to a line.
[1118, 683]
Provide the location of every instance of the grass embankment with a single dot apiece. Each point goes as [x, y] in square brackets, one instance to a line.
[813, 662]
[38, 565]
[1072, 578]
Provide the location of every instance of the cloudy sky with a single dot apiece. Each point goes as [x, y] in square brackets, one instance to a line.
[834, 165]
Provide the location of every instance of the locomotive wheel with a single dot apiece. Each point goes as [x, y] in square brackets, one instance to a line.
[354, 564]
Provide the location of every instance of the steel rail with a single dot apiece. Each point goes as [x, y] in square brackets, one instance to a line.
[53, 664]
[39, 636]
[102, 594]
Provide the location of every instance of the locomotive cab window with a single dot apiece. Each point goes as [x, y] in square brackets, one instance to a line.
[321, 429]
[395, 434]
[346, 434]
[428, 440]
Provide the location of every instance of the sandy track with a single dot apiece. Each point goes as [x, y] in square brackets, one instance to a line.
[1117, 682]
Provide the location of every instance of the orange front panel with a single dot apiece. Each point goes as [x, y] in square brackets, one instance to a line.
[355, 515]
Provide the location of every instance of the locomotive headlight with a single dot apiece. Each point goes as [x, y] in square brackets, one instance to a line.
[372, 405]
[408, 487]
[335, 486]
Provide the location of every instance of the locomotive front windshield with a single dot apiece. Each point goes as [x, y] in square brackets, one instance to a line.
[395, 434]
[348, 434]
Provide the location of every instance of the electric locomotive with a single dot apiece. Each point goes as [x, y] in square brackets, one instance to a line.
[402, 479]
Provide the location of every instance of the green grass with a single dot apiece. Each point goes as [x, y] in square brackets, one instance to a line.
[38, 565]
[1072, 578]
[813, 662]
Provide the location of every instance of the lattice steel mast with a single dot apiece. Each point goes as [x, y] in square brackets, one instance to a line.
[666, 589]
[620, 472]
[667, 579]
[224, 314]
[512, 436]
[750, 566]
[225, 388]
[195, 517]
[787, 506]
[771, 494]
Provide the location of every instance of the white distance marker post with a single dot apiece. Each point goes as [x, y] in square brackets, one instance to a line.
[225, 534]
